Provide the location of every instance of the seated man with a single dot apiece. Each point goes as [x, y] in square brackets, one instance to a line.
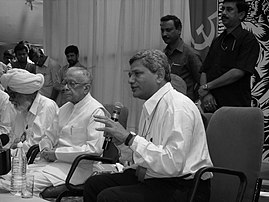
[35, 112]
[169, 148]
[72, 133]
[7, 113]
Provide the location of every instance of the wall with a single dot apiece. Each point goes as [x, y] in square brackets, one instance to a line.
[18, 22]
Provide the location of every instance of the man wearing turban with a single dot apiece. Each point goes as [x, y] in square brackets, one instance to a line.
[35, 112]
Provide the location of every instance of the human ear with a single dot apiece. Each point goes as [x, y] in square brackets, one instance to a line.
[242, 14]
[160, 75]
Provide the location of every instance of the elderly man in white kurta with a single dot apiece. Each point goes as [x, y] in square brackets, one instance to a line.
[72, 134]
[35, 112]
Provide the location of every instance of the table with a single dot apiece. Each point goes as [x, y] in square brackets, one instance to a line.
[6, 196]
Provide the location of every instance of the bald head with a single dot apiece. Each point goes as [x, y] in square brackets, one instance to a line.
[81, 74]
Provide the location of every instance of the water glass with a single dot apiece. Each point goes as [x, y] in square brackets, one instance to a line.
[28, 190]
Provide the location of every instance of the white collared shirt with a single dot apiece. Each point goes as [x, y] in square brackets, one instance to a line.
[171, 141]
[35, 121]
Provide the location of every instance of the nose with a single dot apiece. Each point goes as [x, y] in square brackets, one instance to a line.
[11, 99]
[223, 11]
[164, 33]
[65, 88]
[131, 79]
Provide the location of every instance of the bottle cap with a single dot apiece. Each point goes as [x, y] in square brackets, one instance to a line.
[19, 144]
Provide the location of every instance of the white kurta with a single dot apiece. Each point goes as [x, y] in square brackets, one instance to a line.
[7, 113]
[35, 121]
[171, 141]
[72, 134]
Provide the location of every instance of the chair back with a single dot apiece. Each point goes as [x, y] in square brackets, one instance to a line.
[111, 151]
[235, 141]
[206, 118]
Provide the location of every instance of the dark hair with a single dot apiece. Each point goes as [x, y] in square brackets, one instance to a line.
[20, 46]
[153, 60]
[71, 49]
[241, 5]
[26, 43]
[33, 51]
[176, 20]
[9, 54]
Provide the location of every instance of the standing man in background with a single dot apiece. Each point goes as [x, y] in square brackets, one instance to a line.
[184, 60]
[50, 70]
[72, 55]
[8, 57]
[230, 62]
[21, 51]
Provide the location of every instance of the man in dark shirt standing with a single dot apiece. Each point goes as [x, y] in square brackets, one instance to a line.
[230, 62]
[184, 60]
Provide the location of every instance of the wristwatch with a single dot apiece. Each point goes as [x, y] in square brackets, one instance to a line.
[205, 87]
[129, 137]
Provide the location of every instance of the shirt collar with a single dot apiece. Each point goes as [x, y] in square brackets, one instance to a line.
[76, 65]
[179, 47]
[35, 104]
[46, 63]
[153, 101]
[236, 32]
[82, 102]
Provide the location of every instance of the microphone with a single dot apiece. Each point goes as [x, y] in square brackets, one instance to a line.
[4, 139]
[115, 117]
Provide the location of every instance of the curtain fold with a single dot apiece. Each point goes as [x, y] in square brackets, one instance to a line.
[108, 33]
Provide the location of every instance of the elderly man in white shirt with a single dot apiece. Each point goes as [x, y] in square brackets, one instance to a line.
[72, 133]
[35, 112]
[169, 148]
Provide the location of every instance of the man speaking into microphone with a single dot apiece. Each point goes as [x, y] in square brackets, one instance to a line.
[167, 151]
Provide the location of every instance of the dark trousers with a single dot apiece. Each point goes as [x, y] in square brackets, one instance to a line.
[121, 187]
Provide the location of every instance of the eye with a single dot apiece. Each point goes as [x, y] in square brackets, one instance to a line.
[64, 82]
[136, 74]
[72, 83]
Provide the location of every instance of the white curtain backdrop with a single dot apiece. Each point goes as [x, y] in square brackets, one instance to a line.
[108, 33]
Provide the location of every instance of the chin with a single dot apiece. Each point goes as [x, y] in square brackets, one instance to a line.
[19, 108]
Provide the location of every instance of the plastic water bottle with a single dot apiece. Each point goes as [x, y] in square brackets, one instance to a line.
[18, 171]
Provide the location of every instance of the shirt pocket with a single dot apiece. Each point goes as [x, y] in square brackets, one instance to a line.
[78, 135]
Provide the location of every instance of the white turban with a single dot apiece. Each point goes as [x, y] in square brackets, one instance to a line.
[22, 81]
